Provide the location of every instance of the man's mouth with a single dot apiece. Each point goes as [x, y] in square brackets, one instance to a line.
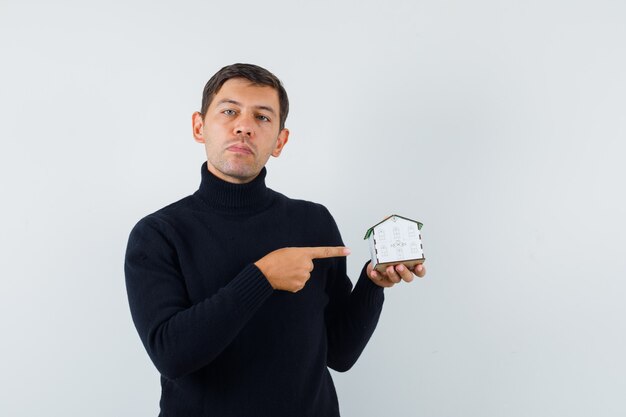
[243, 149]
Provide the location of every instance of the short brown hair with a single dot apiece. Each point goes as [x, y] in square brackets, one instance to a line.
[257, 75]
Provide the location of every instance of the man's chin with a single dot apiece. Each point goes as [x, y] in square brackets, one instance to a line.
[240, 175]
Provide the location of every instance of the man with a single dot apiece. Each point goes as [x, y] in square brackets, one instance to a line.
[240, 294]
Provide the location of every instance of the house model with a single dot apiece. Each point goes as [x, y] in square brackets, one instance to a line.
[395, 240]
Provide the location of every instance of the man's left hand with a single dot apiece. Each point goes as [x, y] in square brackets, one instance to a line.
[394, 274]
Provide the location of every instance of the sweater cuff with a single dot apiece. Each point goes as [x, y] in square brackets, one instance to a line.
[252, 287]
[372, 293]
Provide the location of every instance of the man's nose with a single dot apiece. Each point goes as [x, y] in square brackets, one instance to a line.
[244, 125]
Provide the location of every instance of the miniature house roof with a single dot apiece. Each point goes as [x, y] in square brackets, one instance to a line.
[371, 229]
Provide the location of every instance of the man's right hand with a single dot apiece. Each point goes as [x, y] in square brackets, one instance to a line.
[289, 269]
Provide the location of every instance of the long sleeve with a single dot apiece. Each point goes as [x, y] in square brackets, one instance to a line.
[352, 314]
[225, 342]
[179, 336]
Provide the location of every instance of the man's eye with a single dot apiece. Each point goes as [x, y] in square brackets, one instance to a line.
[263, 118]
[229, 112]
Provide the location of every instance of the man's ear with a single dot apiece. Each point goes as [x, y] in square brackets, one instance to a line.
[281, 141]
[197, 124]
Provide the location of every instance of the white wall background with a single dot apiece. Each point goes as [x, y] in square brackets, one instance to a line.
[498, 124]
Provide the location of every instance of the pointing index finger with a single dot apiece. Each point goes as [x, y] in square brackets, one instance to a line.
[321, 252]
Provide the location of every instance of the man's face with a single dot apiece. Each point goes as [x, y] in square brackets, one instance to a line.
[240, 130]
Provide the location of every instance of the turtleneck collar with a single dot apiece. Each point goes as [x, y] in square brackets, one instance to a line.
[217, 193]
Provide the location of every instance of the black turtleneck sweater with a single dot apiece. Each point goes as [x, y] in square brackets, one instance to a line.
[225, 342]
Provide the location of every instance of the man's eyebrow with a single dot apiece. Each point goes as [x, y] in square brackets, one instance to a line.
[236, 103]
[268, 108]
[228, 100]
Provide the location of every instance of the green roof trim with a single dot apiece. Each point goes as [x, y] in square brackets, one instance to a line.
[371, 229]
